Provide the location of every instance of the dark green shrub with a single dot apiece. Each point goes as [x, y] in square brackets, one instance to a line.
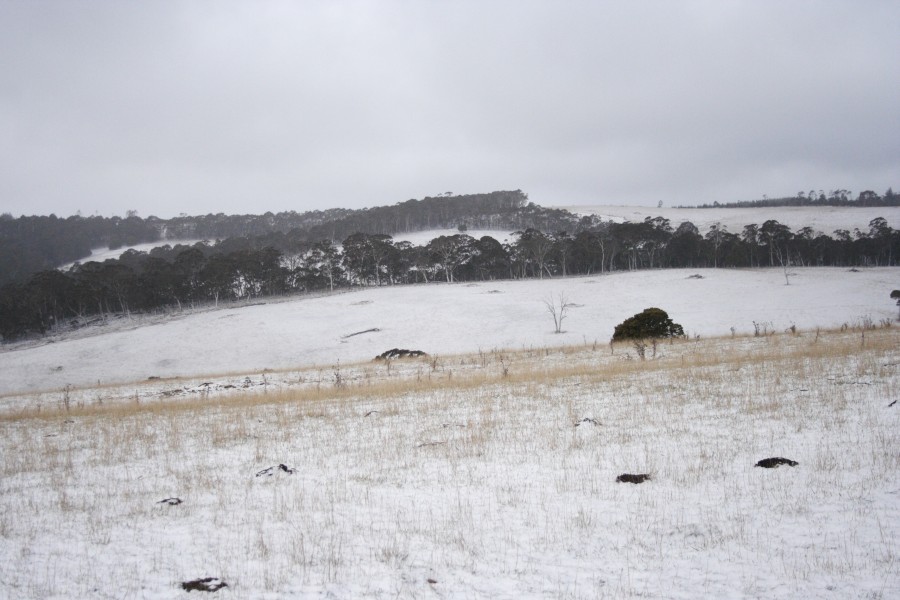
[651, 323]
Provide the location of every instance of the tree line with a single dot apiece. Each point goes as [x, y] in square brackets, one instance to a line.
[30, 244]
[241, 268]
[838, 197]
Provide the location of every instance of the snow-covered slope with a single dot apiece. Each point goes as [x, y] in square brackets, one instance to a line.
[421, 238]
[102, 254]
[443, 319]
[824, 218]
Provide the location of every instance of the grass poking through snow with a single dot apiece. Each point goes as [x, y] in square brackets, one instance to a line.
[483, 475]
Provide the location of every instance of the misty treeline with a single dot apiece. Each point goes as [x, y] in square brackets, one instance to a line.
[839, 197]
[245, 268]
[30, 244]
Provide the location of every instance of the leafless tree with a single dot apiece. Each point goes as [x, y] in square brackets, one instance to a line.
[785, 260]
[558, 307]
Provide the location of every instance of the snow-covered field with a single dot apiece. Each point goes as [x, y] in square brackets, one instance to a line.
[442, 319]
[482, 475]
[102, 254]
[421, 238]
[823, 218]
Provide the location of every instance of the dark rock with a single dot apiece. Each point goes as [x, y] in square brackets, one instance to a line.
[633, 478]
[206, 584]
[775, 462]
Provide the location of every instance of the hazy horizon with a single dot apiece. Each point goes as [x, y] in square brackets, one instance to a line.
[238, 107]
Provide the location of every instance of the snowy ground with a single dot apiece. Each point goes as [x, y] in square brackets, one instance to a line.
[102, 254]
[421, 238]
[823, 218]
[482, 475]
[486, 476]
[441, 319]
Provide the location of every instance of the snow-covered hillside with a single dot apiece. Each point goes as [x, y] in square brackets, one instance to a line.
[442, 319]
[825, 219]
[102, 254]
[493, 475]
[421, 238]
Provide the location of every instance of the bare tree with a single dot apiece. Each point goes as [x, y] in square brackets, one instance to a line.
[785, 259]
[558, 307]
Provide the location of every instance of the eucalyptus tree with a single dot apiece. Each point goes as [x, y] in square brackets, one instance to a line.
[451, 252]
[686, 246]
[533, 248]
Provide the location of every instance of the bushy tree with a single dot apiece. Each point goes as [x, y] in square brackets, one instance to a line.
[651, 323]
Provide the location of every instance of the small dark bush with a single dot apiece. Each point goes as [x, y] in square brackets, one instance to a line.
[400, 353]
[651, 323]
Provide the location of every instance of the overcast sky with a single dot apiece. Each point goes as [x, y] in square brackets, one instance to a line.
[245, 107]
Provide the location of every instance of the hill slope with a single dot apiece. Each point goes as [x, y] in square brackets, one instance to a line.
[821, 218]
[443, 319]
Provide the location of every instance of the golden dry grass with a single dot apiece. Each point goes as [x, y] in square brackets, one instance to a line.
[795, 354]
[459, 462]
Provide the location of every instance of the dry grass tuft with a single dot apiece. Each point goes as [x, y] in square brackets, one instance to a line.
[487, 469]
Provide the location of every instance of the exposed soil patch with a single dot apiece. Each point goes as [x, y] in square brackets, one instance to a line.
[775, 462]
[430, 444]
[350, 335]
[206, 584]
[633, 478]
[281, 468]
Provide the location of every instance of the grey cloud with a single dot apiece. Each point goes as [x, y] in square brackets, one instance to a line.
[245, 107]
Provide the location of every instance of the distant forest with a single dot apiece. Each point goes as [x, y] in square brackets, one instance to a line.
[30, 244]
[813, 198]
[291, 253]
